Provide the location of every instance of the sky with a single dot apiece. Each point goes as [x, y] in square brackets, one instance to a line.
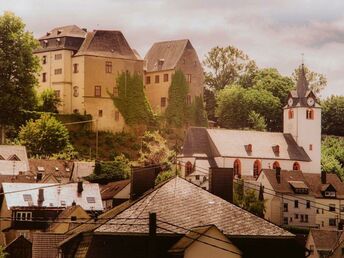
[274, 33]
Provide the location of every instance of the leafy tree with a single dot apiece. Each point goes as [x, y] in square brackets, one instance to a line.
[18, 69]
[332, 155]
[256, 121]
[131, 100]
[332, 115]
[225, 65]
[3, 254]
[48, 101]
[165, 175]
[45, 136]
[155, 151]
[198, 115]
[108, 171]
[317, 81]
[177, 109]
[210, 103]
[235, 104]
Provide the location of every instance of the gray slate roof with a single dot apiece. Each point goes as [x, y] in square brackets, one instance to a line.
[169, 51]
[65, 31]
[13, 167]
[106, 43]
[187, 205]
[325, 239]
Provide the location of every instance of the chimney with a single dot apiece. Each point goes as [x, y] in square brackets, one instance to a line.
[80, 187]
[323, 177]
[39, 176]
[221, 183]
[143, 179]
[84, 29]
[73, 203]
[40, 196]
[278, 175]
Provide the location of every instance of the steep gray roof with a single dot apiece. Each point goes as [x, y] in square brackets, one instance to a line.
[106, 43]
[13, 159]
[302, 83]
[169, 52]
[184, 204]
[325, 240]
[65, 31]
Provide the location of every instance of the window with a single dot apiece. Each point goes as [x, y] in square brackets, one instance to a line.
[44, 77]
[75, 68]
[23, 215]
[188, 99]
[275, 165]
[237, 168]
[310, 114]
[311, 147]
[63, 203]
[285, 220]
[148, 80]
[302, 218]
[91, 199]
[291, 219]
[256, 168]
[308, 204]
[44, 59]
[58, 41]
[75, 91]
[285, 207]
[58, 71]
[332, 207]
[296, 216]
[322, 223]
[163, 102]
[332, 222]
[306, 218]
[318, 211]
[330, 194]
[115, 92]
[197, 177]
[108, 67]
[188, 78]
[188, 168]
[14, 157]
[116, 115]
[57, 93]
[27, 197]
[296, 204]
[341, 208]
[166, 77]
[100, 113]
[97, 91]
[45, 43]
[296, 166]
[58, 56]
[157, 78]
[290, 114]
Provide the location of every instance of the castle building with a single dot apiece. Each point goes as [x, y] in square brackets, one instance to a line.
[82, 68]
[298, 147]
[161, 61]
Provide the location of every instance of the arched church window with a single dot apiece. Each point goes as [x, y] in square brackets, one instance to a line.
[296, 166]
[276, 165]
[237, 168]
[309, 114]
[188, 168]
[290, 114]
[256, 168]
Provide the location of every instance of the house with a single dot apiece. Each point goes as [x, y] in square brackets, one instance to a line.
[200, 241]
[115, 193]
[19, 248]
[32, 207]
[45, 244]
[328, 191]
[13, 160]
[51, 171]
[161, 62]
[325, 243]
[179, 206]
[248, 152]
[82, 68]
[289, 201]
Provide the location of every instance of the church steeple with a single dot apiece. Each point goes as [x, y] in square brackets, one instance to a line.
[302, 83]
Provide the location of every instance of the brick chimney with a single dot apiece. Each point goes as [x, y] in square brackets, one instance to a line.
[323, 177]
[40, 199]
[278, 175]
[221, 183]
[80, 187]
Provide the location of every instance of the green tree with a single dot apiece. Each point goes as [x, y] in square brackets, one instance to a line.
[48, 101]
[108, 171]
[177, 109]
[317, 81]
[332, 155]
[131, 100]
[210, 103]
[225, 66]
[3, 254]
[332, 119]
[45, 136]
[18, 69]
[256, 121]
[198, 115]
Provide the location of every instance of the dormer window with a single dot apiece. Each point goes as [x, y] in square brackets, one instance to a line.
[248, 148]
[330, 194]
[1, 157]
[56, 169]
[276, 149]
[14, 157]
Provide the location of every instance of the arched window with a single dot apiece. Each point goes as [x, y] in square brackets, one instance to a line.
[256, 168]
[310, 114]
[188, 168]
[237, 168]
[290, 114]
[296, 166]
[276, 165]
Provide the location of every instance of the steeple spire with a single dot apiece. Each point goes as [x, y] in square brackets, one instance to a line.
[302, 83]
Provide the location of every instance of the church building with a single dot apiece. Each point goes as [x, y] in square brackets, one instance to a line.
[298, 147]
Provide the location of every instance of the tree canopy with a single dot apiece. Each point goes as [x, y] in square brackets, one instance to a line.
[332, 119]
[45, 136]
[18, 68]
[332, 155]
[48, 101]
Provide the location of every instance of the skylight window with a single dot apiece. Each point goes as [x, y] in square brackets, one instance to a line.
[40, 169]
[27, 197]
[91, 199]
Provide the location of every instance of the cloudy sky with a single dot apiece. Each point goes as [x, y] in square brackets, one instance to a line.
[272, 32]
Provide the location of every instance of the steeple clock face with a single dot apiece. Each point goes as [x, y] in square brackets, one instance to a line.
[310, 101]
[290, 102]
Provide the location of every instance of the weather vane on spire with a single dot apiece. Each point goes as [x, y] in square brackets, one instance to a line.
[302, 58]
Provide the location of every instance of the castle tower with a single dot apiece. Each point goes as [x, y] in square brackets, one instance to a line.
[302, 119]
